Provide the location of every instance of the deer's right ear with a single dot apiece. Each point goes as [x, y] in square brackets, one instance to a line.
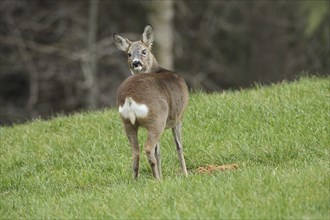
[121, 42]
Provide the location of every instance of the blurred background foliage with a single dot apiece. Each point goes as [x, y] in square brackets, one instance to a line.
[59, 56]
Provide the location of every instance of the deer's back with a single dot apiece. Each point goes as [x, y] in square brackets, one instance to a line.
[163, 92]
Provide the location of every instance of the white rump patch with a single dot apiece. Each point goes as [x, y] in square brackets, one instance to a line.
[132, 110]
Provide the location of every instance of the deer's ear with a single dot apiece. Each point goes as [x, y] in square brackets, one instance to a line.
[121, 42]
[148, 36]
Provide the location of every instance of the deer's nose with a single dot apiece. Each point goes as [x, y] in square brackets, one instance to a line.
[136, 63]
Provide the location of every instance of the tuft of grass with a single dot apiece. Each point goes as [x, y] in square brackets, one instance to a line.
[80, 166]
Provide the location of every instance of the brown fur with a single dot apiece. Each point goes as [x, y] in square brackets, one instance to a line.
[162, 91]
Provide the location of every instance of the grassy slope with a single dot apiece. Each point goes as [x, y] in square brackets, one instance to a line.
[80, 166]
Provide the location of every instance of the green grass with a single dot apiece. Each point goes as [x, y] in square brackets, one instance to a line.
[80, 166]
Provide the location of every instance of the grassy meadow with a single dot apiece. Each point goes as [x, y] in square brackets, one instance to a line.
[79, 166]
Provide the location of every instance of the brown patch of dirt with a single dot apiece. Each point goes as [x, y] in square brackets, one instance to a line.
[214, 168]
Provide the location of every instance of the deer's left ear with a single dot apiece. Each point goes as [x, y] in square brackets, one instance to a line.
[148, 36]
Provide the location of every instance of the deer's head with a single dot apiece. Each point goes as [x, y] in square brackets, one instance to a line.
[140, 58]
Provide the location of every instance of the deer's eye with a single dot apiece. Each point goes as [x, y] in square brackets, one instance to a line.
[129, 54]
[144, 52]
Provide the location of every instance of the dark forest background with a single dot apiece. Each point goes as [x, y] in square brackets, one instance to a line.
[58, 56]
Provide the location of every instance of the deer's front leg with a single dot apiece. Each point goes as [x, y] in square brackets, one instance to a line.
[176, 130]
[131, 132]
[159, 165]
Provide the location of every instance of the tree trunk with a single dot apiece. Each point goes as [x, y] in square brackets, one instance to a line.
[89, 66]
[161, 15]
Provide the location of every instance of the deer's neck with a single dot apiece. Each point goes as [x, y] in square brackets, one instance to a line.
[153, 67]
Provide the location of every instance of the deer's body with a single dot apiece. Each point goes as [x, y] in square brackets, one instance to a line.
[159, 93]
[154, 98]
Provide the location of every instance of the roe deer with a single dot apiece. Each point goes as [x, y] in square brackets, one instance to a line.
[153, 98]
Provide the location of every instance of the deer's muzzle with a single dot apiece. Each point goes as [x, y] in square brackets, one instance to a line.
[136, 64]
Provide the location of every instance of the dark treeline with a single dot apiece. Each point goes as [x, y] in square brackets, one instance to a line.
[59, 56]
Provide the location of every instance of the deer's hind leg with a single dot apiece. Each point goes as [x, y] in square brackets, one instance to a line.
[150, 149]
[152, 146]
[131, 132]
[176, 130]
